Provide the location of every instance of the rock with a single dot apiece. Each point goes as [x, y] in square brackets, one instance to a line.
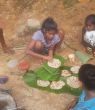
[33, 23]
[28, 27]
[20, 30]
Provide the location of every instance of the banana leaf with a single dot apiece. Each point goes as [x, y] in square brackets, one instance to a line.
[43, 74]
[47, 73]
[52, 70]
[83, 57]
[31, 79]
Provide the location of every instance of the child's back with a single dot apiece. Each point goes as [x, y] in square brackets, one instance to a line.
[85, 105]
[87, 98]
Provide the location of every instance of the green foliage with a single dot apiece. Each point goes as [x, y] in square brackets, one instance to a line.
[50, 74]
[31, 79]
[83, 57]
[47, 73]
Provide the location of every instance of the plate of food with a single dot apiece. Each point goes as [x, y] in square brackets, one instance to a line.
[57, 84]
[43, 83]
[65, 73]
[73, 82]
[55, 63]
[75, 69]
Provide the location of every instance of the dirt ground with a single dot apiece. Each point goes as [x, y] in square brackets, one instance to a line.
[70, 19]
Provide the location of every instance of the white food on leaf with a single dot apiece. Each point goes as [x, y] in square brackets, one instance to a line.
[43, 83]
[57, 85]
[55, 63]
[75, 69]
[73, 82]
[65, 73]
[71, 57]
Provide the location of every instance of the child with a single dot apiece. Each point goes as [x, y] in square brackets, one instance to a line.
[45, 40]
[88, 34]
[86, 100]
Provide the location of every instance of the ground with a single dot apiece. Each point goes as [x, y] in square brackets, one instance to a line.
[70, 18]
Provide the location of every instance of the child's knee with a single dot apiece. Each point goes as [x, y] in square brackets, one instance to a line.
[38, 45]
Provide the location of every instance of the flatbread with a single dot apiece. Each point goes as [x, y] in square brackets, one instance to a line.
[73, 82]
[57, 85]
[65, 73]
[43, 83]
[75, 69]
[55, 63]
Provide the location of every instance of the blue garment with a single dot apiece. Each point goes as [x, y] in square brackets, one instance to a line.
[38, 36]
[85, 105]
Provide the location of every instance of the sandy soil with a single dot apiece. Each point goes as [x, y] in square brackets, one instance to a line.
[70, 19]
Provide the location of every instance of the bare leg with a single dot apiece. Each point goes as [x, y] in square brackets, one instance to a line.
[3, 44]
[38, 47]
[61, 35]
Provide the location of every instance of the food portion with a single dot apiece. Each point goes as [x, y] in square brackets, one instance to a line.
[75, 69]
[57, 85]
[65, 73]
[73, 82]
[55, 63]
[71, 58]
[43, 83]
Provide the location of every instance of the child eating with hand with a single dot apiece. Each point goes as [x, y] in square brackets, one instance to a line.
[45, 41]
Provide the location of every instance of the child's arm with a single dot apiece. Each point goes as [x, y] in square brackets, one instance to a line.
[72, 104]
[61, 34]
[83, 32]
[50, 54]
[30, 52]
[3, 43]
[85, 44]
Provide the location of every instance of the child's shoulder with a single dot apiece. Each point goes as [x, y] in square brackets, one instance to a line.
[38, 32]
[37, 35]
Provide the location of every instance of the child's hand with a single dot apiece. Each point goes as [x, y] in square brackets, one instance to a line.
[47, 58]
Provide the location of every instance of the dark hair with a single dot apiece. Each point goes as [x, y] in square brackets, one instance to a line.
[90, 18]
[87, 76]
[48, 25]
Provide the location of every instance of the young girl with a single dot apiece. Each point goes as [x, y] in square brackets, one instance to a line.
[86, 100]
[45, 40]
[88, 34]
